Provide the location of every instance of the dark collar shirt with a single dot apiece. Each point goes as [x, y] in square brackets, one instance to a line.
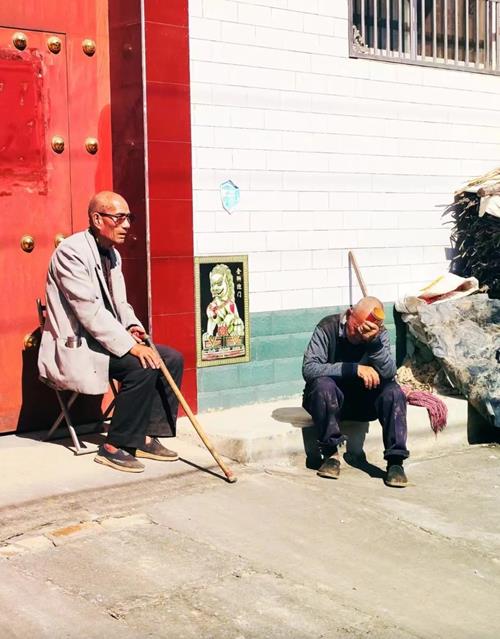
[107, 263]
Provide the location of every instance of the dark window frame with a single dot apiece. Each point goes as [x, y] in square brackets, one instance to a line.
[459, 34]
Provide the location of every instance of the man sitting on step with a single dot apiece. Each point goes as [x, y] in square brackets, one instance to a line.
[349, 373]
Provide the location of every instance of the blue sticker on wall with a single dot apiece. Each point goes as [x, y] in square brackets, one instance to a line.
[229, 195]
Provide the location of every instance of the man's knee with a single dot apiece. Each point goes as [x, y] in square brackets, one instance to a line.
[392, 393]
[325, 388]
[176, 359]
[323, 385]
[127, 366]
[139, 378]
[173, 359]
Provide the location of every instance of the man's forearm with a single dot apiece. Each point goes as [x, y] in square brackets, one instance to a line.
[380, 357]
[341, 370]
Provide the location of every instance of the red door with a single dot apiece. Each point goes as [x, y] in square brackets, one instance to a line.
[35, 201]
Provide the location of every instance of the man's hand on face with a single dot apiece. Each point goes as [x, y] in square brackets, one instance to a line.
[369, 375]
[146, 355]
[137, 333]
[368, 331]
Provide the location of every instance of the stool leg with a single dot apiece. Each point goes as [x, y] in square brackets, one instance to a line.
[108, 410]
[111, 404]
[67, 417]
[71, 401]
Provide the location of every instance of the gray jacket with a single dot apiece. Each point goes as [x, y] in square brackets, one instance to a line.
[75, 293]
[325, 354]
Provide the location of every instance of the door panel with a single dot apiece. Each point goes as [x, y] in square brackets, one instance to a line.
[35, 201]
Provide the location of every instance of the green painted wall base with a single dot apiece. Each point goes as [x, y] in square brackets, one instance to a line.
[278, 341]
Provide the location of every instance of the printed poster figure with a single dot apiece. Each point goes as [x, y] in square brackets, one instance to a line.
[224, 336]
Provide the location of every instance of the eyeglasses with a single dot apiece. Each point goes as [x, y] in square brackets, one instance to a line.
[119, 218]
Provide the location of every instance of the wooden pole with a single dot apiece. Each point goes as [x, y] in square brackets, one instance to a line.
[231, 477]
[353, 262]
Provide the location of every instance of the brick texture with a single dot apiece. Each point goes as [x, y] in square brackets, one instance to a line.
[330, 153]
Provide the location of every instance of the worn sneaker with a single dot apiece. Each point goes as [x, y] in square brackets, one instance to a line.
[155, 450]
[330, 468]
[396, 477]
[121, 460]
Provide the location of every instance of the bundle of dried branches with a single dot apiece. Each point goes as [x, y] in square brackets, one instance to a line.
[418, 376]
[476, 239]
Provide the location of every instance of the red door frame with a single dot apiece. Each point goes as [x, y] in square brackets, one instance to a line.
[149, 44]
[151, 165]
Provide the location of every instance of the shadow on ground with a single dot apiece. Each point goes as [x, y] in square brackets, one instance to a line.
[90, 440]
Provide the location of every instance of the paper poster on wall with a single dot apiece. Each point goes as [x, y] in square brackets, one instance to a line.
[222, 317]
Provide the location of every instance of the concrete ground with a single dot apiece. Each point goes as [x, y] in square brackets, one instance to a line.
[178, 553]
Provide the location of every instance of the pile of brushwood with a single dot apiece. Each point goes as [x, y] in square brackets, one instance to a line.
[477, 239]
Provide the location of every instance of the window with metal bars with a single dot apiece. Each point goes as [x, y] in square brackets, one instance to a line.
[461, 34]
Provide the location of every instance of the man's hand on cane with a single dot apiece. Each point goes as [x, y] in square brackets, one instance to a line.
[137, 333]
[146, 355]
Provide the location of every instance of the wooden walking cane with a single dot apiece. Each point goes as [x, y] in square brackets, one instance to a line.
[231, 477]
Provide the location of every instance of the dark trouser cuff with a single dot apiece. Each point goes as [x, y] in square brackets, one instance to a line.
[156, 433]
[401, 453]
[331, 446]
[395, 460]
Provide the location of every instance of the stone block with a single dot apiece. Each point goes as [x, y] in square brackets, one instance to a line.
[239, 396]
[260, 324]
[275, 391]
[298, 321]
[255, 373]
[288, 369]
[272, 347]
[217, 378]
[280, 428]
[209, 401]
[298, 343]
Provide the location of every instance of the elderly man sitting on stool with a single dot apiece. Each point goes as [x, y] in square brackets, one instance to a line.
[349, 373]
[91, 334]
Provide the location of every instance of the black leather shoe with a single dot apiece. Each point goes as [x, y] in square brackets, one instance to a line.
[330, 468]
[396, 477]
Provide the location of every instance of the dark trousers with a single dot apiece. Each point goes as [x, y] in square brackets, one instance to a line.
[329, 401]
[145, 404]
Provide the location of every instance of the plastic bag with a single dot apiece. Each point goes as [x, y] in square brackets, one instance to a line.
[464, 335]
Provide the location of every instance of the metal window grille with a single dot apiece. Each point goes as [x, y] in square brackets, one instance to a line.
[460, 34]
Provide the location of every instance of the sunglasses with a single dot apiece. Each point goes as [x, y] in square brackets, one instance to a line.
[119, 218]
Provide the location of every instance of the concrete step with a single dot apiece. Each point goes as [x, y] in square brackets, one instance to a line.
[279, 429]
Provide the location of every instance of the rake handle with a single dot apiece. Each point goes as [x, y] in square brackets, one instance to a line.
[361, 281]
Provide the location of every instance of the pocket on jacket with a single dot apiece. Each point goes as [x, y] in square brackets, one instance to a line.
[73, 362]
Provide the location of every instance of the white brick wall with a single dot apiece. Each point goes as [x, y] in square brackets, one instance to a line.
[330, 153]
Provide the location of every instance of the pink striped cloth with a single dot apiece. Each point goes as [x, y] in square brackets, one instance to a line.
[436, 408]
